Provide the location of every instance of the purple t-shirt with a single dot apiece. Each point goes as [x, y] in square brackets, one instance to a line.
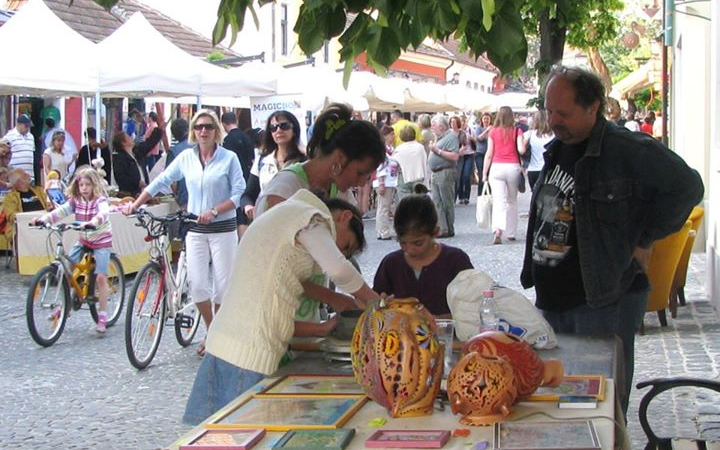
[395, 277]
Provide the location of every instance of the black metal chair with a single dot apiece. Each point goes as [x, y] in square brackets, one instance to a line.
[660, 385]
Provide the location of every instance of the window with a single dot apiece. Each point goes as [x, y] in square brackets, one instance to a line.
[284, 30]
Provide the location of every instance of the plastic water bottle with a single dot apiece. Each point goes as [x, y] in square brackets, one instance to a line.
[488, 312]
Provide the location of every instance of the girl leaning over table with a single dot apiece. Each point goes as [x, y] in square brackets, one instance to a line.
[298, 238]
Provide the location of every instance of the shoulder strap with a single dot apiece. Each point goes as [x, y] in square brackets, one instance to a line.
[299, 170]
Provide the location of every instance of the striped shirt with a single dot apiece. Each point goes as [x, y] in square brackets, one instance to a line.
[95, 211]
[23, 151]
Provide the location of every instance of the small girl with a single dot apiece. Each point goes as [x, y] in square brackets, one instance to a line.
[88, 202]
[422, 268]
[385, 184]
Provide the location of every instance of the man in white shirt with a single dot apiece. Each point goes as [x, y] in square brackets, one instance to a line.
[22, 145]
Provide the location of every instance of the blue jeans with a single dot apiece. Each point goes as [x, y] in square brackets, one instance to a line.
[465, 170]
[622, 319]
[216, 384]
[479, 164]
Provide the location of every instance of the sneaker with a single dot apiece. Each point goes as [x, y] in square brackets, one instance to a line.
[101, 326]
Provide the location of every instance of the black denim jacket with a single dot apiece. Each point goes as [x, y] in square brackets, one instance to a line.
[630, 190]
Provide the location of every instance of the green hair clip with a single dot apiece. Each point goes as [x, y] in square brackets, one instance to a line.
[333, 126]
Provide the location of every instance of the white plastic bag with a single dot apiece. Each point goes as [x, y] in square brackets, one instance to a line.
[517, 314]
[483, 213]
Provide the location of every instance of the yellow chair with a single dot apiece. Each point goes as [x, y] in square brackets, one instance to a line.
[677, 292]
[661, 269]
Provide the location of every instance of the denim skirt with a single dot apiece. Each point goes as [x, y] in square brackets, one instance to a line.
[216, 384]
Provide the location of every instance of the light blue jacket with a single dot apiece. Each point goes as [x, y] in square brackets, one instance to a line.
[221, 179]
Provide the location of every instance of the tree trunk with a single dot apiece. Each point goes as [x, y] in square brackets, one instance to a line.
[598, 65]
[552, 44]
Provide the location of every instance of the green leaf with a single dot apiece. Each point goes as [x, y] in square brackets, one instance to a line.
[488, 11]
[347, 71]
[219, 30]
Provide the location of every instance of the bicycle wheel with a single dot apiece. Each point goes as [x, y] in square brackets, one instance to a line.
[145, 316]
[116, 292]
[47, 305]
[187, 319]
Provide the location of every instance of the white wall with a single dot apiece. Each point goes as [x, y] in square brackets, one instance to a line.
[713, 185]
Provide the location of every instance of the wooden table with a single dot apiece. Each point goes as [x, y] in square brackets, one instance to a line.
[580, 356]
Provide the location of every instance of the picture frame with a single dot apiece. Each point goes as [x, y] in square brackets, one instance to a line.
[291, 385]
[276, 413]
[546, 435]
[408, 439]
[316, 439]
[573, 386]
[224, 439]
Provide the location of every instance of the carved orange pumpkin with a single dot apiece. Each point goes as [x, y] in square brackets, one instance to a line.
[396, 357]
[481, 388]
[530, 371]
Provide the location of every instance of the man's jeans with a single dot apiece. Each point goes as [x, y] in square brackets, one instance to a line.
[621, 319]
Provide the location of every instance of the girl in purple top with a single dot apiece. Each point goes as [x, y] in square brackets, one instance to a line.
[422, 268]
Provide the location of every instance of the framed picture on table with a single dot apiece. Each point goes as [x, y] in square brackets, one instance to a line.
[314, 385]
[224, 439]
[408, 439]
[315, 439]
[546, 435]
[573, 385]
[275, 413]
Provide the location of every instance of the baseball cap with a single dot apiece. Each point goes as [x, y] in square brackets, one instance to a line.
[22, 118]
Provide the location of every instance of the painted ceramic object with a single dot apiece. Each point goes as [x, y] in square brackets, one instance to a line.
[397, 358]
[530, 371]
[481, 388]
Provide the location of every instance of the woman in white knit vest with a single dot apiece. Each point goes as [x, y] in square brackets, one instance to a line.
[278, 253]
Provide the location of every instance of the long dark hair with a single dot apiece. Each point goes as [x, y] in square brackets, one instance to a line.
[269, 145]
[357, 139]
[356, 222]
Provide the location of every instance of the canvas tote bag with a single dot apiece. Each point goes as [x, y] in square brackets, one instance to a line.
[483, 213]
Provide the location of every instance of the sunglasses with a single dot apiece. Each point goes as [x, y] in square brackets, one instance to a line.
[282, 125]
[206, 126]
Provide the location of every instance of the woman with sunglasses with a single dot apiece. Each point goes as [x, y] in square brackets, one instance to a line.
[54, 158]
[280, 148]
[343, 154]
[214, 182]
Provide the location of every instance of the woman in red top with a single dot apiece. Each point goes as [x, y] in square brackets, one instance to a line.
[502, 169]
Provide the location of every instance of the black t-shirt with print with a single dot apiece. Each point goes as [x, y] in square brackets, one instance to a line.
[30, 202]
[556, 264]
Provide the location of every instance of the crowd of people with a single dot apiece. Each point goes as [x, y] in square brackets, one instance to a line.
[277, 222]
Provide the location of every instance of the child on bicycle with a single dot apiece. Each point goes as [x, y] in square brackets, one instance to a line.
[422, 268]
[278, 254]
[88, 201]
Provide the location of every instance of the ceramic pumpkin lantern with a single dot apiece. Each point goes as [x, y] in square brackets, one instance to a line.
[481, 388]
[397, 358]
[530, 371]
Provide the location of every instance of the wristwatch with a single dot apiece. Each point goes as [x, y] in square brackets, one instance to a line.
[214, 212]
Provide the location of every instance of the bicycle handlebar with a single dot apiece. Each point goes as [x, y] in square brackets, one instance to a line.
[62, 227]
[156, 226]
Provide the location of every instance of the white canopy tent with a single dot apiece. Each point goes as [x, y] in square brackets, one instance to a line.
[66, 67]
[160, 68]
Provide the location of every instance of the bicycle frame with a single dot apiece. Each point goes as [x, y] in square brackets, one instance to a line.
[66, 266]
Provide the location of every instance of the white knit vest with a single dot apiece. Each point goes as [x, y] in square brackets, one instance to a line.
[255, 323]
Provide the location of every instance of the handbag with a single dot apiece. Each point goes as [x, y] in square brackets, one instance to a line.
[522, 160]
[483, 211]
[521, 186]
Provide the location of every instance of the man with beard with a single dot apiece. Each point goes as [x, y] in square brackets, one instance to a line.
[605, 195]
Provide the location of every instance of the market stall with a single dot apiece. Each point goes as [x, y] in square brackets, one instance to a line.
[298, 399]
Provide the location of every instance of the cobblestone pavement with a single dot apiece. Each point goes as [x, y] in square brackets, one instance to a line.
[82, 393]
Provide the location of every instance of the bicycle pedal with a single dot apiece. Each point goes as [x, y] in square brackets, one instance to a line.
[91, 299]
[76, 304]
[185, 321]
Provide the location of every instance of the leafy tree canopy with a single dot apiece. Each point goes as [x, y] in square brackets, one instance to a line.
[383, 28]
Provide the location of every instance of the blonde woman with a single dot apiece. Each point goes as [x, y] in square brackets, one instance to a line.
[537, 137]
[54, 158]
[502, 169]
[214, 183]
